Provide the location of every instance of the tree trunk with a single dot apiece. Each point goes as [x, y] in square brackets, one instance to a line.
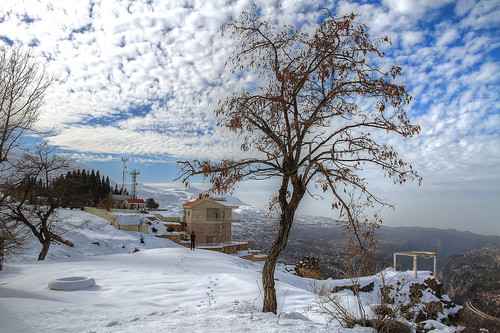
[45, 250]
[270, 304]
[1, 252]
[288, 209]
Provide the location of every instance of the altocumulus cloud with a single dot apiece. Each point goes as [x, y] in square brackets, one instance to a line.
[143, 77]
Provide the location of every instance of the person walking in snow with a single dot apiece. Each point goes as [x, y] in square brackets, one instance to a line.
[193, 239]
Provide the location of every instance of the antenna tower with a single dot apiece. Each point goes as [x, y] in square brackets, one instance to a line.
[124, 186]
[134, 173]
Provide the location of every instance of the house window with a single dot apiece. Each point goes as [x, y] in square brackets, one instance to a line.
[215, 216]
[211, 239]
[222, 215]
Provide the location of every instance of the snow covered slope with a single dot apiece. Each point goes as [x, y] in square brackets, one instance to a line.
[161, 288]
[92, 235]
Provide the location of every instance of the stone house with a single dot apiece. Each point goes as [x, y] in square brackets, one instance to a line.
[210, 218]
[136, 204]
[118, 200]
[132, 223]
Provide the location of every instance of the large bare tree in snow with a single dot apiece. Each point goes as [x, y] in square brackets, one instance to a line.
[33, 194]
[23, 84]
[316, 117]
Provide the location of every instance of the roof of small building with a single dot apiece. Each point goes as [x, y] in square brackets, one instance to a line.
[137, 201]
[221, 201]
[193, 202]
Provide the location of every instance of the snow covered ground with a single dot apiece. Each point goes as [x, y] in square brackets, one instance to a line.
[161, 290]
[163, 287]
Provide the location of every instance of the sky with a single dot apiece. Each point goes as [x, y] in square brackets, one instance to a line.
[140, 79]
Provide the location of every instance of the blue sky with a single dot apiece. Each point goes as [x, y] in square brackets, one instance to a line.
[141, 79]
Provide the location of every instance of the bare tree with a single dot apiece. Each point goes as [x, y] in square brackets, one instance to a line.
[12, 239]
[23, 83]
[312, 120]
[22, 87]
[31, 197]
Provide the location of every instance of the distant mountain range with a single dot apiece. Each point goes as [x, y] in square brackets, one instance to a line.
[475, 276]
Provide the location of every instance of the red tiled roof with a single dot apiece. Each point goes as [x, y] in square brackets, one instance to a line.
[137, 201]
[192, 202]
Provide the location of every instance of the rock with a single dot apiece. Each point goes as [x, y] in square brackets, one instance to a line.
[309, 267]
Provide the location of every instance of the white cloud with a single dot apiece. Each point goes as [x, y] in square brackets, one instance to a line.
[483, 14]
[410, 38]
[414, 7]
[133, 78]
[464, 6]
[113, 140]
[447, 37]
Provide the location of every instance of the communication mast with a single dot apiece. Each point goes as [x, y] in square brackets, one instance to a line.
[124, 186]
[134, 173]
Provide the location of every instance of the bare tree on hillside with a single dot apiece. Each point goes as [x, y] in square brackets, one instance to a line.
[22, 87]
[12, 239]
[310, 121]
[32, 195]
[23, 84]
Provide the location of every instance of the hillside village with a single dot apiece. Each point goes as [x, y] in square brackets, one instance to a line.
[210, 218]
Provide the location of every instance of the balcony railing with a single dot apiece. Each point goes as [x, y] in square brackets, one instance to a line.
[225, 243]
[221, 219]
[210, 220]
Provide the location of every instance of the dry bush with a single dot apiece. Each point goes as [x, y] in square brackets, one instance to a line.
[385, 314]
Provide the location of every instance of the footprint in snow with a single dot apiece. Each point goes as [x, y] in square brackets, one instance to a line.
[112, 323]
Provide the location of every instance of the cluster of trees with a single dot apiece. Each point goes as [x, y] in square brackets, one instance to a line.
[29, 199]
[120, 191]
[151, 203]
[83, 188]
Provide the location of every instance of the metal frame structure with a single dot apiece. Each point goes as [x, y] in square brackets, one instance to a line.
[124, 186]
[134, 173]
[415, 255]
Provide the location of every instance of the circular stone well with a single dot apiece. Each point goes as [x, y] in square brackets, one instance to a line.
[71, 283]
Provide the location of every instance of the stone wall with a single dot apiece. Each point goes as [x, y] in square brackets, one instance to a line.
[174, 237]
[168, 218]
[176, 226]
[113, 219]
[227, 249]
[253, 258]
